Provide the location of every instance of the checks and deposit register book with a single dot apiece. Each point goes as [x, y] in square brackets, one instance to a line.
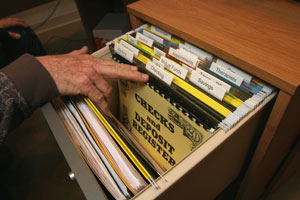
[181, 105]
[163, 130]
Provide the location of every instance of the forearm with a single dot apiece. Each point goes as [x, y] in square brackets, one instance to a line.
[69, 74]
[25, 85]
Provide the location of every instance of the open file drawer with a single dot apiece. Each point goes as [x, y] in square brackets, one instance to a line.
[204, 173]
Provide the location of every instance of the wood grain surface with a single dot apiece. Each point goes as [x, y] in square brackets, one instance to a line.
[260, 37]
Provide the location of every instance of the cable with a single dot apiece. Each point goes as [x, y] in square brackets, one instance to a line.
[49, 16]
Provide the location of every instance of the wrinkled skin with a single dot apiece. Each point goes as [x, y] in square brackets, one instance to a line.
[80, 73]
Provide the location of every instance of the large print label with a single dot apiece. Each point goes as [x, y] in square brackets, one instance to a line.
[153, 36]
[214, 79]
[207, 85]
[124, 52]
[163, 130]
[174, 67]
[225, 73]
[161, 32]
[159, 72]
[247, 78]
[147, 41]
[184, 56]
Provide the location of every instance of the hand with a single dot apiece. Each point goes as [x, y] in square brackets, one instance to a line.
[80, 73]
[11, 22]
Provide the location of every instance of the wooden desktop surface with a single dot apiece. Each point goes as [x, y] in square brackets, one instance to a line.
[261, 37]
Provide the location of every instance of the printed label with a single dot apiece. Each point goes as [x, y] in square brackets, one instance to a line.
[247, 78]
[199, 52]
[207, 85]
[160, 73]
[147, 41]
[189, 69]
[184, 56]
[225, 73]
[125, 53]
[174, 67]
[161, 32]
[153, 36]
[131, 48]
[158, 63]
[214, 79]
[132, 39]
[158, 52]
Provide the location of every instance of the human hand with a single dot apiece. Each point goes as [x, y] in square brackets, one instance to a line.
[80, 73]
[11, 22]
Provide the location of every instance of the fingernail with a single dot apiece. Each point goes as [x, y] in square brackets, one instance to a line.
[145, 76]
[133, 68]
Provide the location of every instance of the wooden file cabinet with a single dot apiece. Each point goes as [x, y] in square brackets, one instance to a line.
[260, 37]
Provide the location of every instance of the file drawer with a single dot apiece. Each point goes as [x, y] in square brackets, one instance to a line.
[230, 30]
[208, 170]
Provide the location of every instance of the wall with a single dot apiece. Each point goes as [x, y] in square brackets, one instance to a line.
[14, 6]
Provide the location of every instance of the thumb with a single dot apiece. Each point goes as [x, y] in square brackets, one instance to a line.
[14, 35]
[83, 50]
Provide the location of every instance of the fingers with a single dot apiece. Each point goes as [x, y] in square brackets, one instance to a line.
[17, 21]
[112, 69]
[112, 63]
[80, 73]
[99, 99]
[89, 83]
[87, 88]
[83, 50]
[96, 79]
[20, 23]
[12, 21]
[129, 75]
[14, 35]
[121, 71]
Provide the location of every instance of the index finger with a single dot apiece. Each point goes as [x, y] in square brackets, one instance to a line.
[112, 62]
[112, 69]
[120, 71]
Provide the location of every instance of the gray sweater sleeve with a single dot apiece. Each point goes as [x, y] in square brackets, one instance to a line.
[24, 86]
